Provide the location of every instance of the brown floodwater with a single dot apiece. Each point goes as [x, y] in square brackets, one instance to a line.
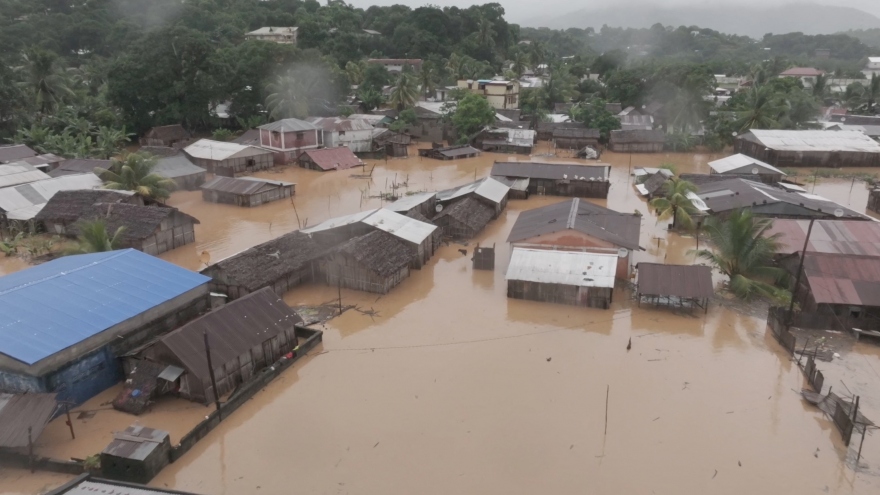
[453, 387]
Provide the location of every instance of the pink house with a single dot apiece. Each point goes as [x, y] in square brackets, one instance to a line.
[287, 138]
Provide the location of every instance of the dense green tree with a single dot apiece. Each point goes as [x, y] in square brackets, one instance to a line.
[594, 115]
[472, 113]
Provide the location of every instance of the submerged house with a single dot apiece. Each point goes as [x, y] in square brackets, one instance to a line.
[654, 184]
[545, 130]
[558, 179]
[245, 336]
[186, 175]
[578, 225]
[563, 277]
[464, 219]
[424, 203]
[374, 262]
[675, 285]
[151, 229]
[228, 159]
[576, 138]
[65, 340]
[288, 138]
[488, 191]
[281, 264]
[637, 141]
[166, 135]
[68, 207]
[828, 236]
[505, 140]
[450, 152]
[354, 134]
[394, 144]
[324, 159]
[23, 202]
[245, 191]
[740, 164]
[809, 148]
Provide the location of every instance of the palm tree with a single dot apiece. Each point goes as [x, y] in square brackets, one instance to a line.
[853, 96]
[872, 94]
[135, 173]
[485, 32]
[745, 254]
[370, 99]
[675, 203]
[288, 97]
[110, 141]
[537, 56]
[355, 72]
[427, 79]
[455, 64]
[405, 93]
[93, 238]
[762, 110]
[519, 63]
[44, 79]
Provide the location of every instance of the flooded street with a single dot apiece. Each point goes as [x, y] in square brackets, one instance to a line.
[454, 388]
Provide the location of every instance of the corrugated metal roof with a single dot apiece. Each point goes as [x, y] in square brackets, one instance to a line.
[125, 446]
[16, 173]
[828, 236]
[15, 152]
[241, 185]
[742, 164]
[342, 221]
[20, 411]
[341, 124]
[57, 304]
[177, 166]
[813, 140]
[79, 166]
[454, 151]
[23, 202]
[488, 188]
[208, 149]
[553, 171]
[644, 171]
[289, 125]
[626, 136]
[515, 184]
[233, 330]
[407, 203]
[740, 193]
[843, 278]
[802, 72]
[273, 30]
[620, 229]
[339, 158]
[685, 281]
[404, 227]
[562, 267]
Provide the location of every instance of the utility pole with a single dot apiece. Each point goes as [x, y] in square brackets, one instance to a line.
[797, 280]
[213, 379]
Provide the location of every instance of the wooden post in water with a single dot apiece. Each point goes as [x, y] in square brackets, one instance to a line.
[30, 449]
[69, 422]
[797, 280]
[213, 379]
[339, 288]
[607, 392]
[861, 442]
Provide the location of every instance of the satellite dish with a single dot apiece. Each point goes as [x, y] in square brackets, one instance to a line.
[734, 133]
[838, 213]
[755, 171]
[438, 208]
[622, 253]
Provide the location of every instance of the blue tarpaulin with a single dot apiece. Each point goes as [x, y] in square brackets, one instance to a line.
[50, 307]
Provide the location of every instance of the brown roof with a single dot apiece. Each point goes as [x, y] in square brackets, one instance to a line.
[684, 281]
[241, 185]
[139, 221]
[233, 330]
[69, 206]
[620, 229]
[379, 252]
[802, 72]
[655, 182]
[250, 137]
[261, 265]
[843, 278]
[15, 152]
[20, 411]
[168, 132]
[828, 236]
[339, 158]
[637, 136]
[469, 211]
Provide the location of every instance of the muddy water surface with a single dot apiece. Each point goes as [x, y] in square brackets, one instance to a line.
[453, 387]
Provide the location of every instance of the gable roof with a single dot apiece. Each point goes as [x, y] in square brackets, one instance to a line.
[379, 252]
[843, 278]
[407, 203]
[79, 166]
[620, 229]
[802, 72]
[139, 221]
[469, 211]
[637, 136]
[576, 268]
[740, 193]
[653, 183]
[273, 30]
[742, 164]
[487, 188]
[781, 140]
[551, 171]
[23, 202]
[401, 226]
[242, 185]
[250, 137]
[15, 173]
[208, 149]
[176, 166]
[339, 158]
[289, 125]
[69, 206]
[15, 152]
[23, 417]
[232, 329]
[89, 293]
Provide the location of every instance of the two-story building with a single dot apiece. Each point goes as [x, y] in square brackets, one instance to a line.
[287, 138]
[499, 93]
[356, 134]
[283, 35]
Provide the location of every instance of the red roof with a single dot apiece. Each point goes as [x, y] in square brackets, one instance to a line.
[828, 236]
[803, 72]
[843, 279]
[340, 158]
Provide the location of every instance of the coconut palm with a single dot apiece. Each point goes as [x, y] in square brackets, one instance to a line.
[485, 32]
[370, 99]
[427, 78]
[871, 94]
[675, 204]
[537, 56]
[405, 93]
[853, 96]
[820, 87]
[762, 110]
[745, 254]
[288, 97]
[355, 72]
[94, 238]
[519, 63]
[135, 173]
[44, 79]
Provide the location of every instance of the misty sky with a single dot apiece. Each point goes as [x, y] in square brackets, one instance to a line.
[520, 11]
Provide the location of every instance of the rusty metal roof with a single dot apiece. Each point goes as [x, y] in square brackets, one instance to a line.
[843, 278]
[685, 281]
[242, 185]
[20, 411]
[620, 229]
[135, 442]
[828, 236]
[552, 171]
[232, 330]
[340, 158]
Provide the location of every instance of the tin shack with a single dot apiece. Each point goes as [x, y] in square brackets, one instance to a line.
[246, 191]
[563, 277]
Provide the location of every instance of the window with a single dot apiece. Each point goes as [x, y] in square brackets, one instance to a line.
[300, 135]
[511, 100]
[341, 133]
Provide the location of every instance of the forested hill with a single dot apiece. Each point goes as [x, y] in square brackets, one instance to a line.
[71, 67]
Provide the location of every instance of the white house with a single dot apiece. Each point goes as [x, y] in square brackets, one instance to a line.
[873, 67]
[356, 134]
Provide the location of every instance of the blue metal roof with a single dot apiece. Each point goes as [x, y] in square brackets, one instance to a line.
[50, 307]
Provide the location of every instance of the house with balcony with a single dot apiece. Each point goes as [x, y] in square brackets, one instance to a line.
[288, 138]
[498, 92]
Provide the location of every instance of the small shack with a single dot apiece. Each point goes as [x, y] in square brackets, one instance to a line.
[424, 203]
[484, 258]
[229, 159]
[675, 285]
[394, 144]
[505, 140]
[151, 229]
[23, 202]
[637, 141]
[244, 336]
[324, 159]
[281, 263]
[654, 183]
[419, 236]
[186, 175]
[545, 129]
[375, 262]
[576, 138]
[740, 164]
[450, 152]
[519, 187]
[562, 277]
[489, 191]
[23, 418]
[245, 191]
[811, 148]
[464, 219]
[67, 207]
[558, 179]
[136, 454]
[166, 135]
